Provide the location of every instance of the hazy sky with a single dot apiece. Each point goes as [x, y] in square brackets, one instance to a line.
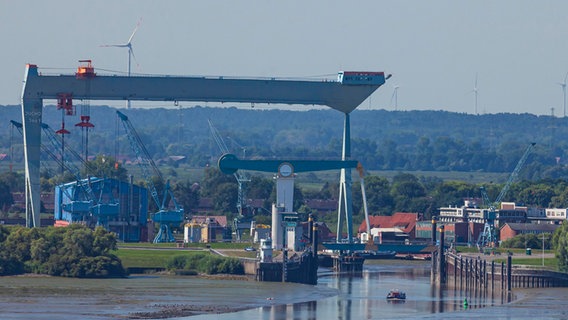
[434, 49]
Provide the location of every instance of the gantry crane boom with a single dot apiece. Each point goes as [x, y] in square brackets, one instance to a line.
[515, 173]
[44, 149]
[57, 143]
[488, 235]
[144, 159]
[145, 162]
[238, 174]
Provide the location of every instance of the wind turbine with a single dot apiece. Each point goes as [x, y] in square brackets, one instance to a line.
[563, 85]
[475, 93]
[395, 97]
[131, 55]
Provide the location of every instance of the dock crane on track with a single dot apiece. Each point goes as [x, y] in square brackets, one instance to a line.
[488, 236]
[164, 216]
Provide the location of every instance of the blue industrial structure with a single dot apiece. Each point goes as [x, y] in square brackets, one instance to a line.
[122, 207]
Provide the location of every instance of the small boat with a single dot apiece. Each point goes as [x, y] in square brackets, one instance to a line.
[396, 295]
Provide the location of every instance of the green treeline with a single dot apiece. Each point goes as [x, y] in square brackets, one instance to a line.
[205, 263]
[381, 140]
[405, 192]
[74, 251]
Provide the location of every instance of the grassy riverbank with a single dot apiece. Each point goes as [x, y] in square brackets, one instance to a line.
[148, 258]
[519, 257]
[150, 255]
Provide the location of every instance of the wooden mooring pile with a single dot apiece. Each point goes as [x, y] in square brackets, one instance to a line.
[469, 273]
[351, 264]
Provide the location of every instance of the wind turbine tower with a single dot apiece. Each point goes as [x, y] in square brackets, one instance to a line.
[563, 85]
[131, 55]
[394, 98]
[475, 92]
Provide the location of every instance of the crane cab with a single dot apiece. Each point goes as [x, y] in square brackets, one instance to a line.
[86, 70]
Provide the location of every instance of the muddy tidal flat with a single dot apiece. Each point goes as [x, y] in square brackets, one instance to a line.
[194, 298]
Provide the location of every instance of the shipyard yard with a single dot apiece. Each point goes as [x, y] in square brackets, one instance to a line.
[260, 235]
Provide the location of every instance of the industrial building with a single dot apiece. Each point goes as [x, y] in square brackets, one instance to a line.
[454, 232]
[470, 212]
[511, 230]
[207, 229]
[118, 206]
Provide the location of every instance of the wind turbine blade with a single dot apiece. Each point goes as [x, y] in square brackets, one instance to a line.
[135, 29]
[113, 45]
[566, 76]
[475, 83]
[134, 57]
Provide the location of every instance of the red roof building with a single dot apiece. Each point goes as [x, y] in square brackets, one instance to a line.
[220, 220]
[400, 220]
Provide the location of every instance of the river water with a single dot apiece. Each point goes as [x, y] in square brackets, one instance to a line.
[335, 297]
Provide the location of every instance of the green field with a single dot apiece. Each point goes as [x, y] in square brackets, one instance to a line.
[149, 258]
[151, 255]
[519, 257]
[549, 263]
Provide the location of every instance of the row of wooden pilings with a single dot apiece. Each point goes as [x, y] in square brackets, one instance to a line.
[467, 273]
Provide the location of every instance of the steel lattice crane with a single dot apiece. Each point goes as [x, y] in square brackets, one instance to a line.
[59, 160]
[85, 203]
[488, 236]
[164, 216]
[241, 178]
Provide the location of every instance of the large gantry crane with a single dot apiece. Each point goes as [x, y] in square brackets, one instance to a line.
[344, 94]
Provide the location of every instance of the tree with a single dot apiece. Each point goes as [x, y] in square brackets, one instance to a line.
[75, 251]
[379, 199]
[6, 199]
[14, 180]
[453, 192]
[107, 167]
[259, 187]
[212, 179]
[187, 194]
[329, 190]
[225, 197]
[560, 245]
[539, 195]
